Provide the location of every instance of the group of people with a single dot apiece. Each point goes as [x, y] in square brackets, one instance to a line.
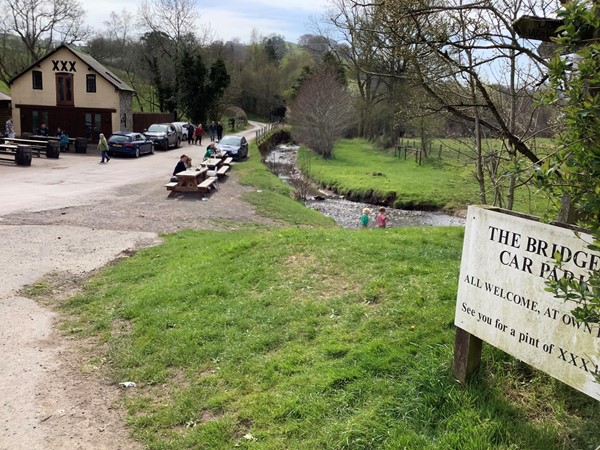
[195, 133]
[381, 218]
[185, 162]
[63, 138]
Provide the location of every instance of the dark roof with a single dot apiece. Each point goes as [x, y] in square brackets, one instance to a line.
[92, 64]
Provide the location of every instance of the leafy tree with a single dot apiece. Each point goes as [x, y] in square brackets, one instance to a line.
[570, 176]
[218, 80]
[193, 102]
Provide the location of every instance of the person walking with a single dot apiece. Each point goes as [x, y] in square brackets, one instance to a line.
[103, 148]
[191, 131]
[212, 130]
[219, 131]
[199, 133]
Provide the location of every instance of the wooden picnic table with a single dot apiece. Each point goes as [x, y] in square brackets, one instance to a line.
[191, 180]
[35, 145]
[212, 163]
[41, 137]
[20, 154]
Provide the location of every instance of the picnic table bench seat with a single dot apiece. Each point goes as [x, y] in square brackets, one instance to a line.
[222, 172]
[171, 185]
[228, 160]
[208, 184]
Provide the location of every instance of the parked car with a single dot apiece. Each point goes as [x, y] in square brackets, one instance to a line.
[184, 130]
[235, 146]
[164, 135]
[129, 143]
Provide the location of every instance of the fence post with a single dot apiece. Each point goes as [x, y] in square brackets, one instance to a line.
[440, 152]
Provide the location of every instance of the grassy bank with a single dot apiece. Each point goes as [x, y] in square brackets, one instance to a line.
[308, 336]
[271, 196]
[307, 339]
[362, 172]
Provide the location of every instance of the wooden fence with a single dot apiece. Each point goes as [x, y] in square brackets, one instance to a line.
[406, 147]
[263, 132]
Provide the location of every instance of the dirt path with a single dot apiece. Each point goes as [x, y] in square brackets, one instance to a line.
[68, 217]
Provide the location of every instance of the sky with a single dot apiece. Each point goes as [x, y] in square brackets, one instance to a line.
[230, 19]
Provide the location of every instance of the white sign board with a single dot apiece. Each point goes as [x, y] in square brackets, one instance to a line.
[506, 262]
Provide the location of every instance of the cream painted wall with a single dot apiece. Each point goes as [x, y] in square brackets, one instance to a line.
[106, 95]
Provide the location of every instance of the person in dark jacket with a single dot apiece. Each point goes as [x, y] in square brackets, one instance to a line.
[180, 167]
[191, 132]
[219, 131]
[212, 130]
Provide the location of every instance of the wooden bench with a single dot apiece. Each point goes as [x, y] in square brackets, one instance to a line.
[227, 161]
[21, 156]
[222, 172]
[36, 146]
[209, 183]
[170, 186]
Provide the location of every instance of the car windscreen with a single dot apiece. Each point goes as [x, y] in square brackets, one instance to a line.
[230, 140]
[119, 139]
[158, 128]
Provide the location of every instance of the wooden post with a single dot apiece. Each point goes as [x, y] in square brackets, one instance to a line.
[405, 148]
[440, 152]
[467, 355]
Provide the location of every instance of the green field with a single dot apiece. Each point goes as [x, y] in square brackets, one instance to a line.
[359, 170]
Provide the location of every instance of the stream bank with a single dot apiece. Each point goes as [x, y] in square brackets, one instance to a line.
[346, 213]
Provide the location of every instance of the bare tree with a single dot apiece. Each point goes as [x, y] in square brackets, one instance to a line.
[172, 18]
[321, 113]
[41, 24]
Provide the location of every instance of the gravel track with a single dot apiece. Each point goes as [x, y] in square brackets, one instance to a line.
[62, 220]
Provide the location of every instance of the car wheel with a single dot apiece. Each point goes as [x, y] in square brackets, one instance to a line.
[178, 143]
[137, 152]
[166, 145]
[109, 153]
[152, 149]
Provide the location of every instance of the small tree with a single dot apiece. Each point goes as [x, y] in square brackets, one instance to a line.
[321, 113]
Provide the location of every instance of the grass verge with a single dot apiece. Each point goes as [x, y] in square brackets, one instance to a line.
[271, 196]
[309, 339]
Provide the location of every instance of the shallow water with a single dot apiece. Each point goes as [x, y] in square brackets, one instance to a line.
[347, 213]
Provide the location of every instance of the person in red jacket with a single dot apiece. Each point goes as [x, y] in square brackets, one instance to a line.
[199, 133]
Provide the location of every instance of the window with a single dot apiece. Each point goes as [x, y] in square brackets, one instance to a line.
[64, 89]
[36, 78]
[90, 83]
[37, 118]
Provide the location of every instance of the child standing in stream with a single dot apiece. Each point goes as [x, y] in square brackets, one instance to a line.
[364, 219]
[381, 218]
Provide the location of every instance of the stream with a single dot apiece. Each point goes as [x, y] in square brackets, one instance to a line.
[282, 160]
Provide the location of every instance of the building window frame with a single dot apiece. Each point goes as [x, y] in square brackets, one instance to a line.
[90, 83]
[37, 80]
[64, 89]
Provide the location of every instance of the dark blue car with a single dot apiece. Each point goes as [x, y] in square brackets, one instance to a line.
[128, 143]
